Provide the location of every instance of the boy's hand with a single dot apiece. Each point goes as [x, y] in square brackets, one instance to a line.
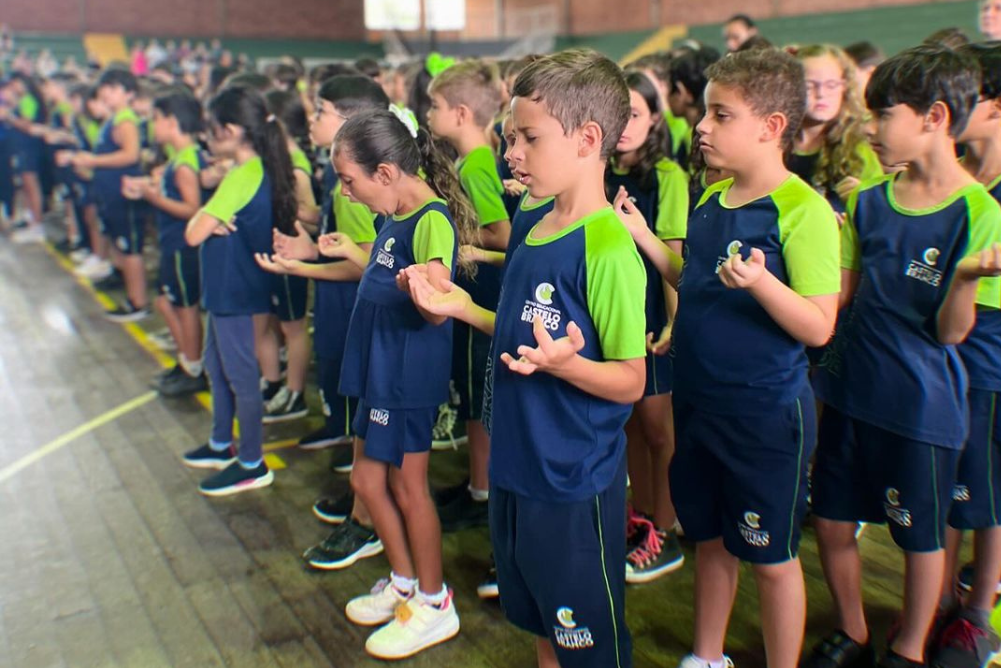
[336, 245]
[403, 276]
[662, 344]
[451, 303]
[627, 212]
[64, 158]
[470, 253]
[550, 355]
[274, 263]
[984, 264]
[224, 229]
[299, 247]
[737, 273]
[514, 187]
[845, 187]
[134, 187]
[83, 160]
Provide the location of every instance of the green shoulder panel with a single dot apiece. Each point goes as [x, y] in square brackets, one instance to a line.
[808, 231]
[985, 230]
[672, 208]
[236, 190]
[434, 239]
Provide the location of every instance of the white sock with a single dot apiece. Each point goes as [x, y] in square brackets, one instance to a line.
[479, 494]
[434, 599]
[192, 368]
[402, 584]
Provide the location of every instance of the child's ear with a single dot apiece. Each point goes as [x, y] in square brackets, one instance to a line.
[995, 109]
[385, 173]
[590, 137]
[774, 127]
[937, 117]
[464, 114]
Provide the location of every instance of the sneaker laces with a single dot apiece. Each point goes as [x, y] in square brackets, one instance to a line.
[279, 400]
[649, 547]
[962, 634]
[634, 522]
[379, 586]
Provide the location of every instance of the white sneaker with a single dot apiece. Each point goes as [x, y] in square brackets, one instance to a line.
[80, 255]
[692, 661]
[377, 607]
[33, 234]
[417, 625]
[94, 268]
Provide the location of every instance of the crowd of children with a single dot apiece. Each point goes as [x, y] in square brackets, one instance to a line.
[700, 296]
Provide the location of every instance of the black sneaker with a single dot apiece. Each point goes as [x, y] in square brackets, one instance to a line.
[838, 650]
[343, 460]
[112, 281]
[464, 512]
[893, 660]
[488, 587]
[657, 553]
[965, 643]
[965, 579]
[322, 438]
[165, 375]
[204, 457]
[334, 511]
[269, 390]
[234, 479]
[285, 405]
[446, 495]
[180, 385]
[348, 543]
[127, 313]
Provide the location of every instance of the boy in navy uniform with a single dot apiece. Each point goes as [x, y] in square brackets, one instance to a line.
[566, 365]
[914, 248]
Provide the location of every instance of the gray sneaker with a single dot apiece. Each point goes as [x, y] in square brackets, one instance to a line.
[965, 643]
[348, 543]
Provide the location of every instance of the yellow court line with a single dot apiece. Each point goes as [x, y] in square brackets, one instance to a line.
[67, 438]
[139, 336]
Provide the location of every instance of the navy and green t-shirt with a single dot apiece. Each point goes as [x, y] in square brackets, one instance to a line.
[525, 218]
[730, 356]
[885, 365]
[335, 299]
[107, 181]
[804, 165]
[482, 184]
[394, 358]
[550, 440]
[232, 282]
[982, 348]
[170, 229]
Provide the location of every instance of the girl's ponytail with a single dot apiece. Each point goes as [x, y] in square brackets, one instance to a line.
[440, 174]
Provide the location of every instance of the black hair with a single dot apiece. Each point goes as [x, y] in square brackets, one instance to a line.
[352, 93]
[217, 75]
[244, 107]
[921, 76]
[287, 107]
[865, 54]
[379, 137]
[952, 38]
[179, 103]
[689, 69]
[742, 18]
[658, 142]
[258, 82]
[418, 99]
[988, 55]
[658, 64]
[369, 67]
[287, 76]
[31, 86]
[119, 76]
[321, 73]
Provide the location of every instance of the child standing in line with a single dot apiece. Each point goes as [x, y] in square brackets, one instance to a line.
[255, 197]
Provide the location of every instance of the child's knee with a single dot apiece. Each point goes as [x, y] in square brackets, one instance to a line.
[409, 494]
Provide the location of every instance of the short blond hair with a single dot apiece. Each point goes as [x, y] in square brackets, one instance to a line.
[473, 83]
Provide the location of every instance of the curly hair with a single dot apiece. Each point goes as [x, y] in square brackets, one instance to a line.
[839, 154]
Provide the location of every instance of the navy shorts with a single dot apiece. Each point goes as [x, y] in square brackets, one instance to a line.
[288, 297]
[391, 433]
[744, 477]
[866, 474]
[470, 352]
[976, 496]
[338, 410]
[659, 375]
[561, 573]
[180, 277]
[125, 226]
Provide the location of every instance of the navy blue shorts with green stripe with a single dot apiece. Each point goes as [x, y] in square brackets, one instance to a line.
[659, 375]
[125, 225]
[180, 277]
[863, 473]
[288, 297]
[560, 572]
[470, 352]
[743, 478]
[976, 496]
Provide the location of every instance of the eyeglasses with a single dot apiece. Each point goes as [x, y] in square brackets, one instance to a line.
[319, 112]
[829, 86]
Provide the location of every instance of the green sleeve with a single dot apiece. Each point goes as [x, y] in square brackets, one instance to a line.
[614, 269]
[850, 252]
[27, 107]
[236, 190]
[126, 115]
[871, 169]
[188, 157]
[672, 206]
[681, 132]
[479, 178]
[434, 239]
[808, 231]
[353, 219]
[301, 162]
[985, 230]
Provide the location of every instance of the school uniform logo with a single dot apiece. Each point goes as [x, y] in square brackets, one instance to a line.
[379, 417]
[122, 243]
[542, 306]
[924, 269]
[751, 531]
[732, 248]
[901, 516]
[385, 254]
[567, 633]
[961, 493]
